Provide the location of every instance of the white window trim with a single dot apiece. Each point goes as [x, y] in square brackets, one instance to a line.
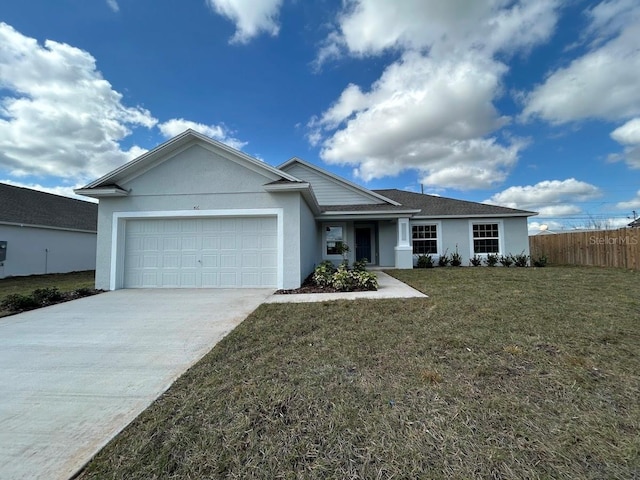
[324, 239]
[116, 277]
[438, 234]
[500, 236]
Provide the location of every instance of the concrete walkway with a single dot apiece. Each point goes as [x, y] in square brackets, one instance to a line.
[73, 375]
[388, 287]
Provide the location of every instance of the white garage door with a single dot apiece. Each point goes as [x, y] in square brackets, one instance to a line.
[222, 252]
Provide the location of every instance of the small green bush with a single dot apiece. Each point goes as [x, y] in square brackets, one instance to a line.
[46, 296]
[19, 303]
[85, 292]
[424, 261]
[540, 261]
[444, 260]
[360, 265]
[456, 258]
[521, 260]
[323, 274]
[366, 280]
[506, 260]
[476, 261]
[491, 260]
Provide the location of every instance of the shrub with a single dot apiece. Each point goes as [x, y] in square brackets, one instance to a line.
[444, 260]
[506, 260]
[46, 296]
[540, 261]
[425, 261]
[360, 265]
[456, 258]
[343, 279]
[323, 274]
[491, 260]
[476, 261]
[85, 292]
[521, 260]
[366, 280]
[19, 303]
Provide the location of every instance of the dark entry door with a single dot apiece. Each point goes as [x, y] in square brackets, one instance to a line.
[363, 243]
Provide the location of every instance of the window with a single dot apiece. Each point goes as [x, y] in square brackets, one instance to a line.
[486, 238]
[334, 238]
[424, 239]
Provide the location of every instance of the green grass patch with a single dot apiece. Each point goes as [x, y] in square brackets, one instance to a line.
[500, 373]
[65, 282]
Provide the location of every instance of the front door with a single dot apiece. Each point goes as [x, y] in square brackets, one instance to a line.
[364, 245]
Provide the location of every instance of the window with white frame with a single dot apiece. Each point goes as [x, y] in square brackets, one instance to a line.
[486, 238]
[334, 238]
[424, 239]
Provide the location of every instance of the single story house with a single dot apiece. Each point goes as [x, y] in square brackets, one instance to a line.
[194, 212]
[45, 233]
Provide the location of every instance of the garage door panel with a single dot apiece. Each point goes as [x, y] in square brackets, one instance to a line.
[201, 252]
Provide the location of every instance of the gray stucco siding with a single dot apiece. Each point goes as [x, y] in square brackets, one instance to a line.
[309, 243]
[456, 234]
[196, 170]
[34, 251]
[328, 191]
[387, 239]
[229, 202]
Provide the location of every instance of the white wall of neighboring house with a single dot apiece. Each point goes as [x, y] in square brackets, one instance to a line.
[34, 251]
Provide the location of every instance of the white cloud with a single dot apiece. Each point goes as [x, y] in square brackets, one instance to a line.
[368, 27]
[68, 126]
[536, 227]
[432, 110]
[601, 84]
[551, 198]
[113, 5]
[434, 117]
[633, 204]
[628, 135]
[176, 126]
[249, 16]
[63, 190]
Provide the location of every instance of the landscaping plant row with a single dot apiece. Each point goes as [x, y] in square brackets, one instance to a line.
[490, 260]
[42, 297]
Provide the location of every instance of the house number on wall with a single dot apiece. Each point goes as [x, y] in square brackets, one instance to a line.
[196, 207]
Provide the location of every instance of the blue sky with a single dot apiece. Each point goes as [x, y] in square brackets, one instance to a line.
[532, 104]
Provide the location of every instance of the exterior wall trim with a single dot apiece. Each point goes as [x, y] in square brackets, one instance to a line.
[119, 224]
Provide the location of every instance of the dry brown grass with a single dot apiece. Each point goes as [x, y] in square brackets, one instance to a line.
[501, 373]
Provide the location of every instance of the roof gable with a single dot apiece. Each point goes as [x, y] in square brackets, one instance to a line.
[330, 189]
[435, 206]
[142, 164]
[24, 206]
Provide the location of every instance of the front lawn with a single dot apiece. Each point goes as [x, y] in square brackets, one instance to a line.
[500, 373]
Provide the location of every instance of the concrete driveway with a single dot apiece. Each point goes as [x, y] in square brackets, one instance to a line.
[73, 375]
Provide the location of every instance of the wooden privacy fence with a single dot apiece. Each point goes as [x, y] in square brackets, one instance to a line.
[605, 248]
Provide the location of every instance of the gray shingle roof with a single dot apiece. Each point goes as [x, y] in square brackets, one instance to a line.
[635, 223]
[431, 205]
[31, 207]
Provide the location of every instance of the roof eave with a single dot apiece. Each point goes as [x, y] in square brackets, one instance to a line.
[303, 188]
[479, 215]
[370, 215]
[99, 192]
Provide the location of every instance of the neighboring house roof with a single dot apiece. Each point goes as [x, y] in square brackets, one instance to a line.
[24, 206]
[635, 223]
[435, 206]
